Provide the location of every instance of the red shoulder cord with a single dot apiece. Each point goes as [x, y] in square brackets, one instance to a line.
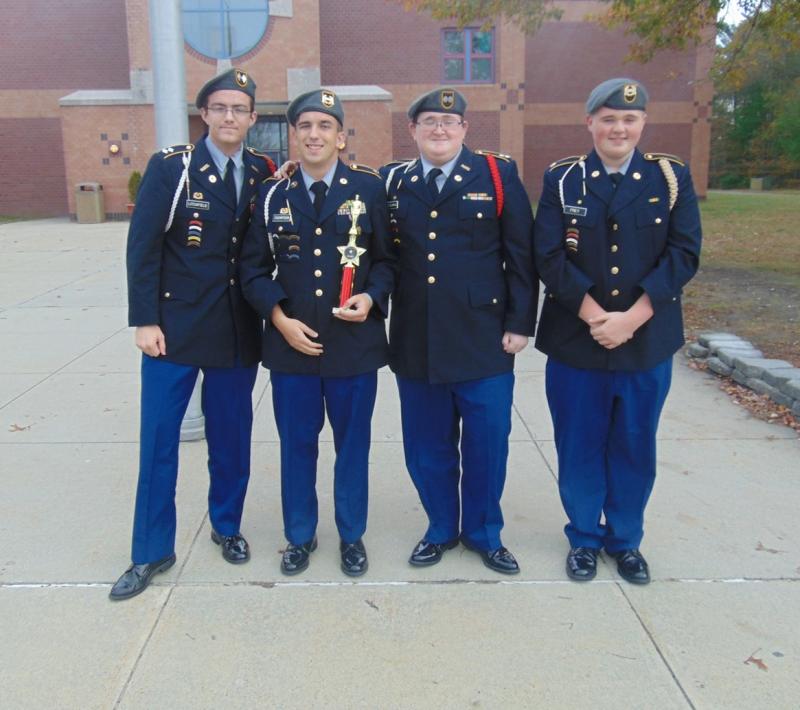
[271, 165]
[498, 184]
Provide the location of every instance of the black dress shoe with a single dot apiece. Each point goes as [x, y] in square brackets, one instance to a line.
[354, 558]
[499, 560]
[582, 563]
[234, 547]
[137, 577]
[430, 553]
[632, 566]
[295, 557]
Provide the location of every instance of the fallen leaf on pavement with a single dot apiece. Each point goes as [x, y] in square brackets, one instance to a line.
[756, 661]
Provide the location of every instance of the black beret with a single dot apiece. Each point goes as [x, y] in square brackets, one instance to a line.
[322, 100]
[235, 79]
[618, 94]
[439, 100]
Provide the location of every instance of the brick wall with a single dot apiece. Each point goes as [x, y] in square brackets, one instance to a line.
[47, 50]
[69, 44]
[566, 60]
[20, 193]
[377, 42]
[138, 26]
[87, 132]
[367, 125]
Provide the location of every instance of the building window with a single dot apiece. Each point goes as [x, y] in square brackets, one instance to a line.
[468, 56]
[270, 135]
[222, 29]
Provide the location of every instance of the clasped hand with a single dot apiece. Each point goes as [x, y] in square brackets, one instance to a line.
[611, 329]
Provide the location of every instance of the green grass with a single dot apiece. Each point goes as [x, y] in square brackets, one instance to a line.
[749, 278]
[753, 231]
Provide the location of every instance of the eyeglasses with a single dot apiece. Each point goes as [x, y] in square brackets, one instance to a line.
[222, 110]
[445, 123]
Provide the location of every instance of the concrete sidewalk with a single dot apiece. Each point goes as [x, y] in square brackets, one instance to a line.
[717, 628]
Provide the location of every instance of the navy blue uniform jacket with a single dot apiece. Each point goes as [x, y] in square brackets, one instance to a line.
[615, 244]
[464, 276]
[186, 280]
[304, 272]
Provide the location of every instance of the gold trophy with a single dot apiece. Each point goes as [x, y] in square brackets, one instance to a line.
[351, 252]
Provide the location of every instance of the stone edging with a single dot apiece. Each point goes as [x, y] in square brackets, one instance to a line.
[729, 355]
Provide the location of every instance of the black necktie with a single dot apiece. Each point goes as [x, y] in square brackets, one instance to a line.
[230, 182]
[616, 178]
[432, 175]
[319, 189]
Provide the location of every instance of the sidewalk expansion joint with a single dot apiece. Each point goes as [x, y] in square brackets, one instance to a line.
[59, 370]
[271, 584]
[157, 621]
[536, 442]
[657, 648]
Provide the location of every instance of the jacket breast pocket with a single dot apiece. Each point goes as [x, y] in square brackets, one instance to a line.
[478, 217]
[580, 217]
[344, 222]
[654, 215]
[286, 246]
[398, 216]
[579, 230]
[652, 227]
[193, 214]
[192, 225]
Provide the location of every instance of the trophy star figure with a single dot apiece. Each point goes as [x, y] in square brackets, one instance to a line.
[351, 251]
[350, 254]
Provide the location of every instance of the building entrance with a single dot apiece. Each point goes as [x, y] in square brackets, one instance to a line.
[270, 135]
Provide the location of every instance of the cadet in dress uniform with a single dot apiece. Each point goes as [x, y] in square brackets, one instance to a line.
[186, 303]
[464, 304]
[323, 232]
[617, 237]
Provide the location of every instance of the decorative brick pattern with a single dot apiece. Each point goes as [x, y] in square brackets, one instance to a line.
[84, 161]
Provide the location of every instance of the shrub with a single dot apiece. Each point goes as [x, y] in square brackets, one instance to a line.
[733, 182]
[133, 185]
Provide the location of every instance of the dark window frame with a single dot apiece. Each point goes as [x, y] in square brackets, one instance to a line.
[280, 154]
[468, 56]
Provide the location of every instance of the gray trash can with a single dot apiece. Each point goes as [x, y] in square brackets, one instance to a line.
[89, 203]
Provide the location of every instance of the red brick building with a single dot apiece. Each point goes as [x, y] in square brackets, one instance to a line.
[76, 85]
